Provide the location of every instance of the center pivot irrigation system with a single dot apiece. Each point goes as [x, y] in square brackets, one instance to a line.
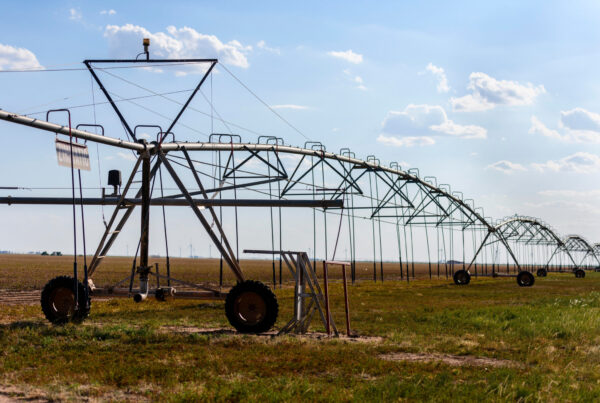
[360, 203]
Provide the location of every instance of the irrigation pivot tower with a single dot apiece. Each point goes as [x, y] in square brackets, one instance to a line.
[412, 208]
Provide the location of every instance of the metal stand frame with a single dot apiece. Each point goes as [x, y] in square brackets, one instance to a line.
[307, 300]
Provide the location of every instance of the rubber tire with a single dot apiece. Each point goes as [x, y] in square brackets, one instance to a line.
[265, 293]
[525, 279]
[542, 273]
[50, 313]
[580, 273]
[461, 277]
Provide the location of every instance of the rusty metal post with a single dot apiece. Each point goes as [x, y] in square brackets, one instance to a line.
[347, 307]
[326, 291]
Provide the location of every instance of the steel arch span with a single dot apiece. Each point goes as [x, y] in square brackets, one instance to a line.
[537, 244]
[584, 250]
[269, 173]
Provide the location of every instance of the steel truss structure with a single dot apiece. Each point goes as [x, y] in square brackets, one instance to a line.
[297, 177]
[340, 188]
[538, 246]
[586, 254]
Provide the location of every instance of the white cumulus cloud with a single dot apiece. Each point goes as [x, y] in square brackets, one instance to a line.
[348, 56]
[440, 76]
[580, 162]
[537, 127]
[175, 43]
[407, 141]
[425, 121]
[575, 194]
[582, 125]
[17, 58]
[576, 125]
[506, 167]
[487, 93]
[574, 208]
[108, 12]
[581, 120]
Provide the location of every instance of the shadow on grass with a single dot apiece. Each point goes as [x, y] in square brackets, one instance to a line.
[24, 324]
[124, 311]
[200, 331]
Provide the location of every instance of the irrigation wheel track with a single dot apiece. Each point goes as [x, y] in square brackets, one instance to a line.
[8, 297]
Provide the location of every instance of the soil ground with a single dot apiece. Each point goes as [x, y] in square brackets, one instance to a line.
[426, 340]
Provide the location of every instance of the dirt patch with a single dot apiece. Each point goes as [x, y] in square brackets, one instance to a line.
[202, 330]
[11, 394]
[342, 337]
[59, 393]
[229, 331]
[452, 360]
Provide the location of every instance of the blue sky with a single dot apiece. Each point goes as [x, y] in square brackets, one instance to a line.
[499, 99]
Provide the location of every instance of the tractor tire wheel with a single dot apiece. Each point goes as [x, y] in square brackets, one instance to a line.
[579, 273]
[58, 301]
[251, 307]
[461, 277]
[525, 279]
[542, 273]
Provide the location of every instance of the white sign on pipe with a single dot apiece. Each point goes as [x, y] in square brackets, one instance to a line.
[81, 156]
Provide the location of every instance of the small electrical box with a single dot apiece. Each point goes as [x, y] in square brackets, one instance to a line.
[114, 179]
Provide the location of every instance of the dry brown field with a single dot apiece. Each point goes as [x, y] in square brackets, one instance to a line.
[31, 272]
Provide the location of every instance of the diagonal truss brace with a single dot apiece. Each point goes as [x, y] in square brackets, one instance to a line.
[225, 250]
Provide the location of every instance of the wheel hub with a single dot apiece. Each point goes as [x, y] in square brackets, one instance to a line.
[250, 307]
[63, 302]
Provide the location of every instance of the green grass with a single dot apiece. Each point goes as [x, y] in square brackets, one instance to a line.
[131, 351]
